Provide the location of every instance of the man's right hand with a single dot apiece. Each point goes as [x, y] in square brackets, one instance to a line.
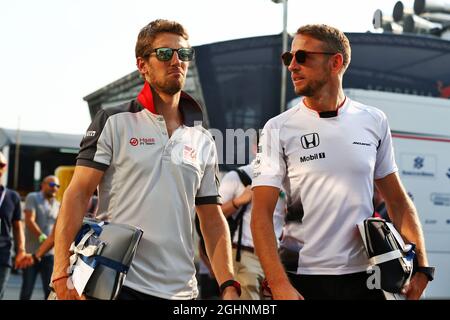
[285, 292]
[23, 260]
[65, 290]
[245, 197]
[230, 293]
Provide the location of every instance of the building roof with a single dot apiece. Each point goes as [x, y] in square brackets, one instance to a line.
[414, 64]
[40, 138]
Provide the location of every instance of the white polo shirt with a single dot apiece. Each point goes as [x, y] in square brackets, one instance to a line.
[154, 182]
[231, 187]
[327, 166]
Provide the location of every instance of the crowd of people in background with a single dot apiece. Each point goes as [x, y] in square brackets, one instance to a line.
[27, 233]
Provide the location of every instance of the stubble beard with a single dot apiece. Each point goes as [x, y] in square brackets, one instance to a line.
[170, 87]
[311, 88]
[167, 85]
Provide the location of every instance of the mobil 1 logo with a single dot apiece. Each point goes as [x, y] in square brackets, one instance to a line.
[315, 156]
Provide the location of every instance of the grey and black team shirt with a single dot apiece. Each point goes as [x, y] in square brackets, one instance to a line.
[153, 182]
[327, 163]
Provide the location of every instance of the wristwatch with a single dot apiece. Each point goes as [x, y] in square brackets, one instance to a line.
[231, 283]
[428, 271]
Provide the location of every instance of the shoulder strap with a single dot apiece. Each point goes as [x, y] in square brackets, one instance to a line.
[246, 181]
[245, 178]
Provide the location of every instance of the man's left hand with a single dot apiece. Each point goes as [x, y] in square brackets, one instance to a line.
[414, 289]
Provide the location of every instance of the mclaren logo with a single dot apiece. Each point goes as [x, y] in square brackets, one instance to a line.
[310, 140]
[361, 143]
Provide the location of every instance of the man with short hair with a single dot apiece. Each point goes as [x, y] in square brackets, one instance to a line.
[155, 167]
[326, 152]
[10, 223]
[41, 210]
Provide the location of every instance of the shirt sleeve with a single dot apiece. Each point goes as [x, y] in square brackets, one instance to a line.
[270, 167]
[30, 202]
[229, 186]
[96, 145]
[385, 161]
[208, 193]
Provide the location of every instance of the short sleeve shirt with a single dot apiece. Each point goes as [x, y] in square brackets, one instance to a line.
[154, 181]
[10, 211]
[327, 166]
[45, 211]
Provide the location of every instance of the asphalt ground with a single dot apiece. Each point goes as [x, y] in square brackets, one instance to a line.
[12, 290]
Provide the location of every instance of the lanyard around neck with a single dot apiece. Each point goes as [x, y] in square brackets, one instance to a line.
[3, 196]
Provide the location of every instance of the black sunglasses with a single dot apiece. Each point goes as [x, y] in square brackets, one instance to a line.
[165, 54]
[300, 56]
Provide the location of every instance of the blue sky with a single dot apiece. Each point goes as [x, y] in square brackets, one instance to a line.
[55, 52]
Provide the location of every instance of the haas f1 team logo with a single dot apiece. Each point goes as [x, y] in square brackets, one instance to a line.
[142, 141]
[310, 141]
[134, 142]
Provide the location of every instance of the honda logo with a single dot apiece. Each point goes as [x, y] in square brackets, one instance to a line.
[310, 140]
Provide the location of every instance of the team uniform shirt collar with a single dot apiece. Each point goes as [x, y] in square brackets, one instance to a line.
[326, 114]
[190, 109]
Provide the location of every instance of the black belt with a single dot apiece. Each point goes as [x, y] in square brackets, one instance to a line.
[245, 248]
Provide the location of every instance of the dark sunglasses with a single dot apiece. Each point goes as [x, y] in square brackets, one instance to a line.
[53, 184]
[300, 56]
[2, 165]
[165, 54]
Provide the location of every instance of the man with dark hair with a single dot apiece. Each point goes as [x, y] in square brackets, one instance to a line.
[155, 166]
[10, 223]
[326, 152]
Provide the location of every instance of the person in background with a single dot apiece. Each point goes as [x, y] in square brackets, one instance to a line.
[41, 210]
[237, 196]
[10, 226]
